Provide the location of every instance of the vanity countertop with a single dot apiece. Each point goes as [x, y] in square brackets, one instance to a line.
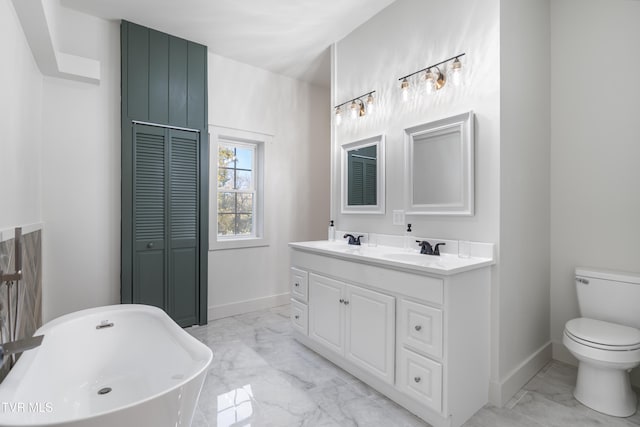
[398, 258]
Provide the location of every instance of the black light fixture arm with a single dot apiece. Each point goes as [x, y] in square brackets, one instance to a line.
[357, 98]
[430, 66]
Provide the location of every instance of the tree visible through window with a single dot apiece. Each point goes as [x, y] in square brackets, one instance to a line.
[236, 189]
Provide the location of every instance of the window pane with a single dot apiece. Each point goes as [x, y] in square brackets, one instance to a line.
[225, 178]
[244, 224]
[227, 202]
[226, 224]
[244, 157]
[226, 157]
[245, 203]
[243, 180]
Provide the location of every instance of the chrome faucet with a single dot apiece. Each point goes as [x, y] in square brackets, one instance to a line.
[353, 240]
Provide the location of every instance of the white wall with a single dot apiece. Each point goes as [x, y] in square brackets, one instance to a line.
[81, 173]
[524, 345]
[20, 121]
[297, 178]
[405, 37]
[595, 149]
[508, 66]
[78, 181]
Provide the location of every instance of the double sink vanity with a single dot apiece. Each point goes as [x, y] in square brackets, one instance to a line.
[414, 327]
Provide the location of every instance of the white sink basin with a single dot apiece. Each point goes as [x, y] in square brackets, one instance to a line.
[445, 264]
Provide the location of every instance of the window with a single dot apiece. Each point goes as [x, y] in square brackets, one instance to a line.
[237, 187]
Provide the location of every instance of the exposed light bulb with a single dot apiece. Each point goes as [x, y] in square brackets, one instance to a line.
[370, 103]
[456, 72]
[429, 81]
[404, 87]
[354, 109]
[362, 110]
[338, 116]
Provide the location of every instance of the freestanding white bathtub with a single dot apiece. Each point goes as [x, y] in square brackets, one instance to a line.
[121, 365]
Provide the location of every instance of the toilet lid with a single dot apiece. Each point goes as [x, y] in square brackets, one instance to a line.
[604, 333]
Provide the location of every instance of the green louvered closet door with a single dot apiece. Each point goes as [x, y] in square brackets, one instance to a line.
[166, 220]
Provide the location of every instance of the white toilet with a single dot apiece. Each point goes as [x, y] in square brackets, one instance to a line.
[606, 339]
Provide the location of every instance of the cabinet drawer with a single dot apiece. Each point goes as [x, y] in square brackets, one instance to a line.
[420, 327]
[299, 281]
[420, 378]
[299, 316]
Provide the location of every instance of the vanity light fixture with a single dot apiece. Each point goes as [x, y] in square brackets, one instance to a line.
[456, 72]
[370, 103]
[404, 87]
[354, 109]
[433, 76]
[357, 107]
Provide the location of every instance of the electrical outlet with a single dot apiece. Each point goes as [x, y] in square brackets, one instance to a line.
[398, 217]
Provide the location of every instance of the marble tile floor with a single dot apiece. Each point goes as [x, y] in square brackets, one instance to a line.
[261, 376]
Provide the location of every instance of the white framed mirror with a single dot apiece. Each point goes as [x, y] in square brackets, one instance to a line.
[439, 167]
[362, 176]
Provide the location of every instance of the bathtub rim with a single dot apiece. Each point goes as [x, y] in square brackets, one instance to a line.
[170, 323]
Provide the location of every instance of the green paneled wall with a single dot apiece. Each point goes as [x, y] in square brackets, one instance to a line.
[164, 173]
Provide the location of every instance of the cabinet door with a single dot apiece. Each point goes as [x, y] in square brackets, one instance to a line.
[149, 216]
[370, 331]
[183, 226]
[326, 312]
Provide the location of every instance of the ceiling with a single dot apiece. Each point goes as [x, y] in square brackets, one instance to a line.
[289, 37]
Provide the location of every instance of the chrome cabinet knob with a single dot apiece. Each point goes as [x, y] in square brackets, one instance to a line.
[418, 327]
[150, 245]
[341, 301]
[297, 316]
[346, 302]
[417, 379]
[297, 284]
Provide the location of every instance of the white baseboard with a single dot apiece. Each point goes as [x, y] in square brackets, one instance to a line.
[247, 306]
[561, 354]
[501, 392]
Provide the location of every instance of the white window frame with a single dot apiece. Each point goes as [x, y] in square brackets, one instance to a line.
[258, 141]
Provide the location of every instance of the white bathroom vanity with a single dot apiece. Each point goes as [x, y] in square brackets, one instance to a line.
[414, 327]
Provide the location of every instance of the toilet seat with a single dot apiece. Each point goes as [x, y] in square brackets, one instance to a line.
[603, 335]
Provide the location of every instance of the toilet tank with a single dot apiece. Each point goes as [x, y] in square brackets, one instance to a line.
[608, 295]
